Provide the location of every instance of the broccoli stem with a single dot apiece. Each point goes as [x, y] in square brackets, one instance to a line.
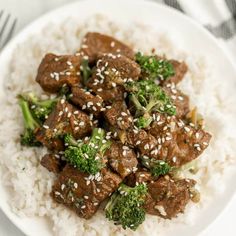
[86, 71]
[97, 138]
[28, 137]
[29, 121]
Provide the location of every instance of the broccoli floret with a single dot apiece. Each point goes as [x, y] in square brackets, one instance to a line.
[156, 167]
[148, 97]
[125, 206]
[30, 124]
[142, 122]
[40, 108]
[155, 68]
[86, 71]
[87, 156]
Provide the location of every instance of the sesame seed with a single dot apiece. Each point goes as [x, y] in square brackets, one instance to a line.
[138, 142]
[83, 207]
[112, 44]
[86, 197]
[76, 112]
[89, 104]
[83, 107]
[69, 114]
[81, 123]
[168, 138]
[146, 146]
[62, 187]
[60, 113]
[123, 113]
[100, 90]
[174, 159]
[205, 143]
[62, 101]
[75, 185]
[187, 129]
[199, 149]
[46, 126]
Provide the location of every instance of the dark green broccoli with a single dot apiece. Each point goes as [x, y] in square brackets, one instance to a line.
[156, 167]
[87, 156]
[155, 68]
[148, 97]
[30, 124]
[40, 108]
[125, 206]
[86, 71]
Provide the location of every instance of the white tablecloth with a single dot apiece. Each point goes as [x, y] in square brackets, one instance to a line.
[28, 10]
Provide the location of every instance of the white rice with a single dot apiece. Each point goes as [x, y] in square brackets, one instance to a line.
[30, 183]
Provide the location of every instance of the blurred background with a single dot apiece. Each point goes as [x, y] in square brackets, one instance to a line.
[218, 16]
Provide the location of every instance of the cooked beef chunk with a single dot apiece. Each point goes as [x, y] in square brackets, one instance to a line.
[81, 193]
[96, 44]
[119, 116]
[53, 163]
[180, 70]
[138, 177]
[116, 69]
[178, 143]
[168, 197]
[110, 75]
[121, 158]
[87, 101]
[55, 71]
[179, 99]
[142, 140]
[108, 95]
[64, 119]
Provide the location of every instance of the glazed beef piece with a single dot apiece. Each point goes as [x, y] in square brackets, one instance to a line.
[168, 197]
[110, 75]
[121, 158]
[178, 143]
[55, 71]
[118, 116]
[180, 70]
[87, 101]
[142, 140]
[138, 177]
[64, 119]
[82, 194]
[53, 163]
[108, 95]
[96, 44]
[179, 99]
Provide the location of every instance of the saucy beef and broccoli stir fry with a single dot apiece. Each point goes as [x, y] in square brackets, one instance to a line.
[117, 129]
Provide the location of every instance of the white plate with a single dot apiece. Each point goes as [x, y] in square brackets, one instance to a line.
[187, 33]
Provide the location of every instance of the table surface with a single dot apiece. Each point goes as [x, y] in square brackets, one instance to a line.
[224, 225]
